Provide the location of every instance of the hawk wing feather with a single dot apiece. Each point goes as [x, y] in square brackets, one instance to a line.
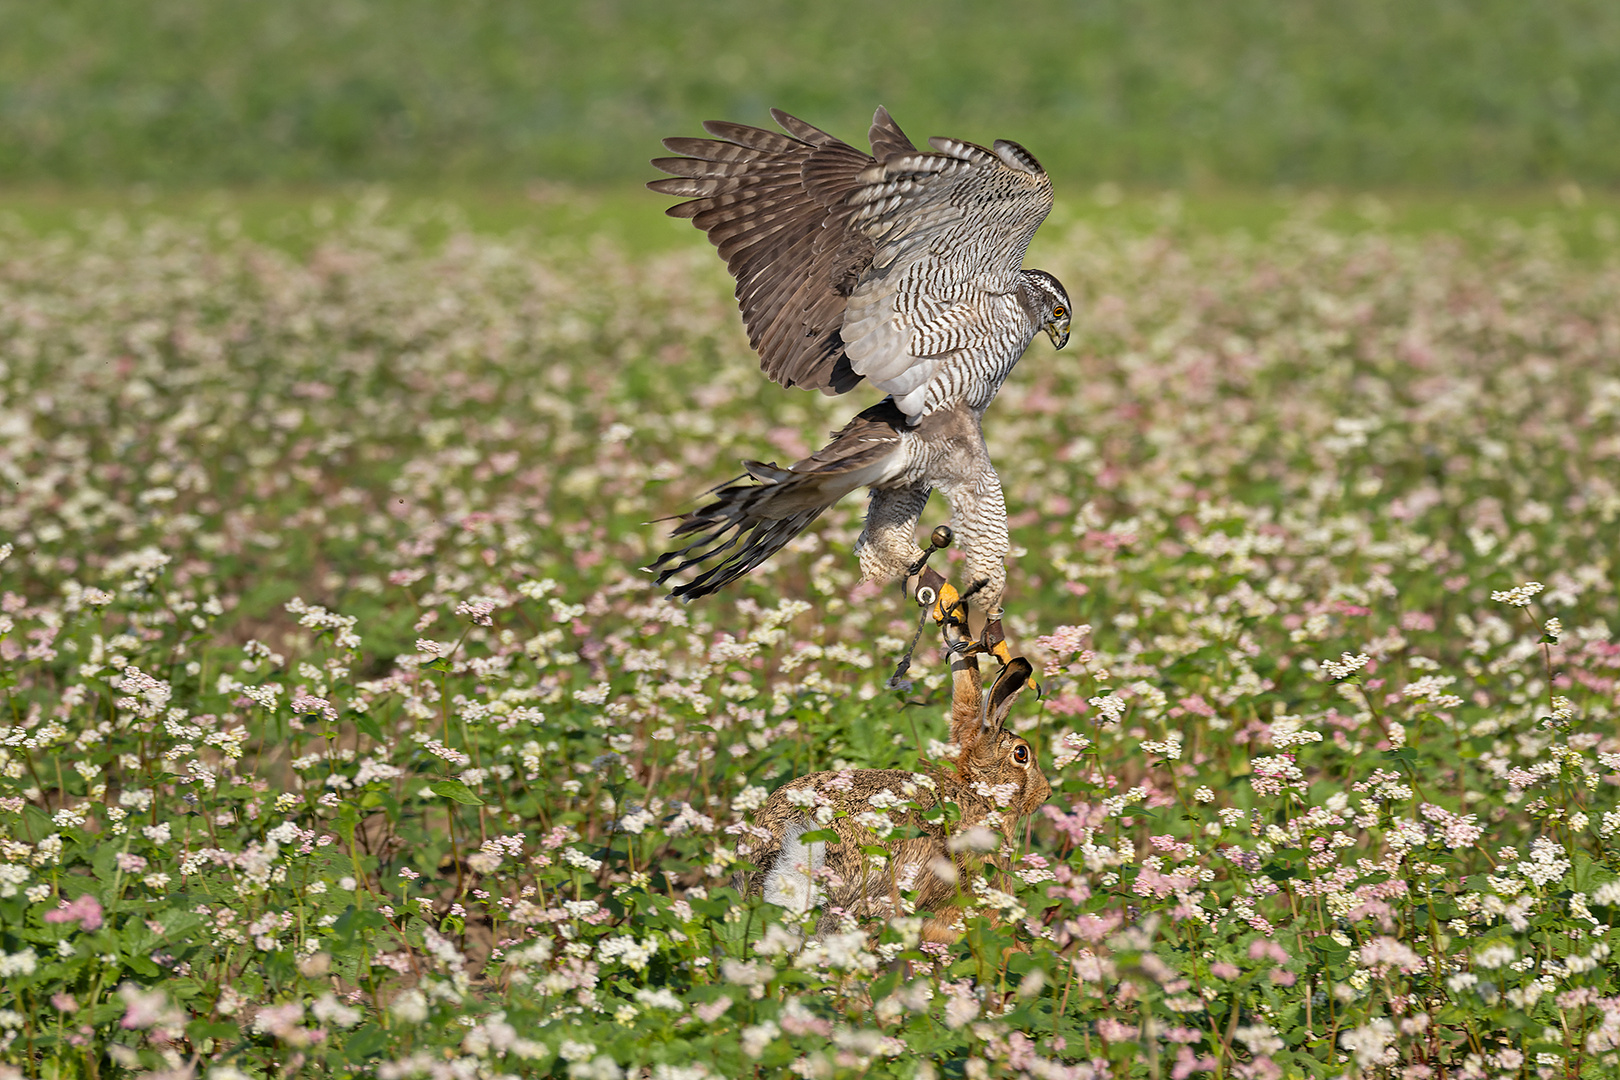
[853, 265]
[765, 199]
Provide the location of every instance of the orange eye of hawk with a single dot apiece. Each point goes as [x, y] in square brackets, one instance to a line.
[1021, 754]
[1058, 313]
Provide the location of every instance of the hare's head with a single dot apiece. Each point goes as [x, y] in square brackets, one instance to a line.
[989, 753]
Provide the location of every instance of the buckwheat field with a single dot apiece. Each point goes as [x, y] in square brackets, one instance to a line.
[343, 736]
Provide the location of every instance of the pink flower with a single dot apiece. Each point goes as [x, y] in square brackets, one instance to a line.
[1261, 949]
[1096, 927]
[311, 705]
[710, 1011]
[142, 1008]
[1116, 1030]
[1387, 950]
[479, 609]
[960, 1007]
[86, 911]
[1188, 1063]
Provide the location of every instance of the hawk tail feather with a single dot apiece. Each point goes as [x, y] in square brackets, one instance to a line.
[753, 517]
[742, 527]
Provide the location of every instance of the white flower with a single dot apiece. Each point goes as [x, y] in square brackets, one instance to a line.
[329, 1010]
[757, 1037]
[1368, 1041]
[592, 695]
[1111, 706]
[410, 1007]
[537, 590]
[570, 1050]
[636, 821]
[1518, 596]
[661, 998]
[581, 860]
[18, 963]
[633, 954]
[1346, 666]
[285, 833]
[1260, 1038]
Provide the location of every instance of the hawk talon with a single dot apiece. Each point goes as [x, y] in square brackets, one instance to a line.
[940, 601]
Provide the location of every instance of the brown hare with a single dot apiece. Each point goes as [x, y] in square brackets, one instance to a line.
[993, 779]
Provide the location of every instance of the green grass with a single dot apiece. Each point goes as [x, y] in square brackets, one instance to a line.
[1493, 93]
[1585, 224]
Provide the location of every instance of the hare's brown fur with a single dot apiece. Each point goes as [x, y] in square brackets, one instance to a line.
[987, 754]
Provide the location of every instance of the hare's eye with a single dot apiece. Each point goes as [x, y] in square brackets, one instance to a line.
[1021, 754]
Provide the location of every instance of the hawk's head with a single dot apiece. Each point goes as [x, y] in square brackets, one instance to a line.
[1051, 305]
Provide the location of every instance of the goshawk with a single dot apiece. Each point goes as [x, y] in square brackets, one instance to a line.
[901, 267]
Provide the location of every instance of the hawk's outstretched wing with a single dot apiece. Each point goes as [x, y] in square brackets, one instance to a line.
[950, 230]
[851, 265]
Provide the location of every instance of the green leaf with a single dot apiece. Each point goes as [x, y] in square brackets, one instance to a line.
[352, 921]
[366, 1042]
[176, 922]
[713, 907]
[106, 1012]
[348, 818]
[819, 836]
[212, 1029]
[104, 863]
[366, 725]
[456, 790]
[1330, 948]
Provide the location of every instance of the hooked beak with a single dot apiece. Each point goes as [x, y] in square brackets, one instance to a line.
[1058, 334]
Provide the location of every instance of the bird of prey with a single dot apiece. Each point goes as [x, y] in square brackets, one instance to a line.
[901, 267]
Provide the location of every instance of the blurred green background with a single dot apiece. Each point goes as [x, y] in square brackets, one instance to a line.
[1492, 95]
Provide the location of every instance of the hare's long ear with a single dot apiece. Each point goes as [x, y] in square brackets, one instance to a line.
[967, 686]
[1013, 678]
[967, 699]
